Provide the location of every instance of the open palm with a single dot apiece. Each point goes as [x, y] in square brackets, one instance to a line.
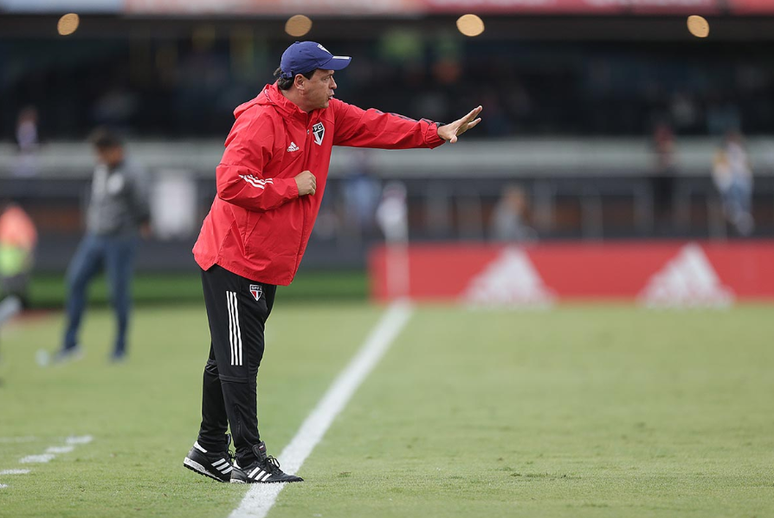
[451, 131]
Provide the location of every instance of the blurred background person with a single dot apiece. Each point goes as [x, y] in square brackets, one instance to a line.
[360, 195]
[17, 249]
[509, 216]
[663, 179]
[18, 238]
[732, 175]
[117, 214]
[392, 218]
[392, 213]
[27, 140]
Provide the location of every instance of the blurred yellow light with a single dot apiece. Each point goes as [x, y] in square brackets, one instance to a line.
[68, 24]
[470, 25]
[698, 26]
[298, 25]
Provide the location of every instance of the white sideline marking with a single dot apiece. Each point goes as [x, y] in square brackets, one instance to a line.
[84, 439]
[60, 449]
[261, 497]
[14, 472]
[53, 451]
[3, 486]
[37, 459]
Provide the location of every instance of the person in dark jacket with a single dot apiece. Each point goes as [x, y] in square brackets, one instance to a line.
[270, 184]
[117, 215]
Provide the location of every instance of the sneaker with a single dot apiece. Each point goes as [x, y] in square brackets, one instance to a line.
[211, 464]
[116, 357]
[265, 470]
[68, 355]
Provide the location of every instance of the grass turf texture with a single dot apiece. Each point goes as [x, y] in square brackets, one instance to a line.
[581, 411]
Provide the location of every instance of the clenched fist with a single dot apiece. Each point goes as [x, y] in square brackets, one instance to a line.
[306, 183]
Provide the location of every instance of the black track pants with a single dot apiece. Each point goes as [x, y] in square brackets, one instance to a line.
[237, 309]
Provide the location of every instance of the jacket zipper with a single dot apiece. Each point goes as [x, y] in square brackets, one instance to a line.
[307, 151]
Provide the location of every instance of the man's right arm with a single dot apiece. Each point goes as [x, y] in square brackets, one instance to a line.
[240, 175]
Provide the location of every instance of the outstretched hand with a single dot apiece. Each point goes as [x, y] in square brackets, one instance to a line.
[451, 131]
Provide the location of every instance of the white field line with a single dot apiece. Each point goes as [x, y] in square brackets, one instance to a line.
[53, 451]
[37, 459]
[50, 454]
[14, 472]
[261, 497]
[60, 449]
[84, 439]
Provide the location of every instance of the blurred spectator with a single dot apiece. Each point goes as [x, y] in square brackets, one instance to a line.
[508, 220]
[732, 175]
[498, 124]
[115, 108]
[18, 238]
[663, 178]
[392, 217]
[684, 110]
[117, 212]
[722, 114]
[361, 194]
[27, 140]
[392, 213]
[17, 247]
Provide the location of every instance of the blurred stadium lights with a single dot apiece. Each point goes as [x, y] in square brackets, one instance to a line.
[470, 25]
[394, 7]
[298, 25]
[68, 24]
[698, 26]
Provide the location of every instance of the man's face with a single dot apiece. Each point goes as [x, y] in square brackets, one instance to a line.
[318, 91]
[111, 156]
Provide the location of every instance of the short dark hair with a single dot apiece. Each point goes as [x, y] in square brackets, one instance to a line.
[284, 83]
[105, 138]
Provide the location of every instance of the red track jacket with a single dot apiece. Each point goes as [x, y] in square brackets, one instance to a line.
[258, 227]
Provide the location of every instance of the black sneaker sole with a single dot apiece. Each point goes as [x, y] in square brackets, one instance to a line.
[267, 482]
[237, 479]
[201, 470]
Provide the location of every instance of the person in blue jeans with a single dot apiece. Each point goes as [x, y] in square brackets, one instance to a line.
[117, 216]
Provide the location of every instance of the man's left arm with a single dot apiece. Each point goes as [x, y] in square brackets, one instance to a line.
[140, 199]
[373, 128]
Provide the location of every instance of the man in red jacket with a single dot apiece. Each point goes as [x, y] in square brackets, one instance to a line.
[270, 183]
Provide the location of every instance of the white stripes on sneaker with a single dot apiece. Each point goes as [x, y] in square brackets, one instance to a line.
[259, 474]
[223, 466]
[234, 331]
[198, 447]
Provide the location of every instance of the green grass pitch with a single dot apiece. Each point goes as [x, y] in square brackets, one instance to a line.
[583, 411]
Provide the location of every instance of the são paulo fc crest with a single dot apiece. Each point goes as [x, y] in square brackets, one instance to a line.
[319, 132]
[256, 290]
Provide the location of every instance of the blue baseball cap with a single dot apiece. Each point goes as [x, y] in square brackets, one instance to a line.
[305, 56]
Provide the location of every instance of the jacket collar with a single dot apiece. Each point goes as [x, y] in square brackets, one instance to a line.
[272, 95]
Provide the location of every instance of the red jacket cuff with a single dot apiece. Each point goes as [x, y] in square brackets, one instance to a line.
[431, 135]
